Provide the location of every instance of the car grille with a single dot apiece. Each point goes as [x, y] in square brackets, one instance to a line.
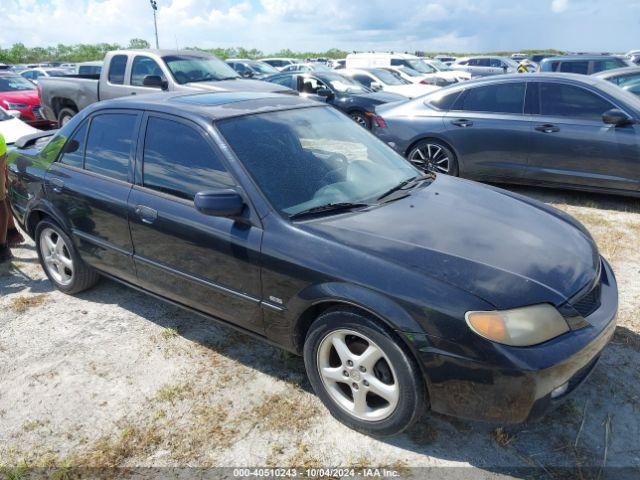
[36, 112]
[590, 301]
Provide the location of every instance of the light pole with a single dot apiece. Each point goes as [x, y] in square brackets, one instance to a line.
[154, 6]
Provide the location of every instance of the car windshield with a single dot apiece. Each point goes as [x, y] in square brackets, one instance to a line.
[389, 78]
[409, 71]
[15, 83]
[419, 66]
[345, 84]
[193, 68]
[262, 67]
[438, 65]
[313, 157]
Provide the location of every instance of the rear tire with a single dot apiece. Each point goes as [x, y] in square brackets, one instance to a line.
[60, 260]
[434, 156]
[65, 115]
[361, 119]
[368, 381]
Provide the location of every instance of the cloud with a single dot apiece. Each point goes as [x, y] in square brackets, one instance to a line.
[559, 6]
[270, 25]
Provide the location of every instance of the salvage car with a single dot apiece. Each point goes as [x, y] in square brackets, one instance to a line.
[342, 92]
[281, 217]
[557, 130]
[378, 79]
[12, 128]
[138, 72]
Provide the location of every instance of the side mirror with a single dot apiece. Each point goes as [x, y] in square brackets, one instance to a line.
[14, 113]
[155, 81]
[616, 117]
[71, 146]
[221, 202]
[324, 92]
[376, 87]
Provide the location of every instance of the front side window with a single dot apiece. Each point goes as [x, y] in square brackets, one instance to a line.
[581, 67]
[73, 154]
[117, 66]
[144, 67]
[109, 144]
[178, 160]
[483, 62]
[312, 157]
[500, 98]
[285, 80]
[561, 100]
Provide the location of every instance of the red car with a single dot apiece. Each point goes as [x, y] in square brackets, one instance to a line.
[17, 93]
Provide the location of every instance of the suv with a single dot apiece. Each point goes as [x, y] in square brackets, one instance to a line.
[582, 64]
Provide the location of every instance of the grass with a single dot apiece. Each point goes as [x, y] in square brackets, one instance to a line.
[501, 437]
[291, 410]
[31, 425]
[24, 303]
[174, 393]
[169, 333]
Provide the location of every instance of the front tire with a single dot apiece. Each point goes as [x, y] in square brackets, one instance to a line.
[362, 373]
[434, 156]
[60, 260]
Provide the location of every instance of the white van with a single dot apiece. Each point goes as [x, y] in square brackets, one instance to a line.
[403, 63]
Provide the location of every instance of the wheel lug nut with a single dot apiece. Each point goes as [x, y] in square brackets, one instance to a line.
[355, 386]
[345, 373]
[365, 383]
[350, 363]
[362, 369]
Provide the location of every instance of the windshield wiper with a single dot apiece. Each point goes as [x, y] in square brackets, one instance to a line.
[405, 183]
[329, 207]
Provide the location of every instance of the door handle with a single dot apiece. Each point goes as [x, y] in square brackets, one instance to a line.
[133, 93]
[462, 123]
[146, 214]
[547, 128]
[57, 185]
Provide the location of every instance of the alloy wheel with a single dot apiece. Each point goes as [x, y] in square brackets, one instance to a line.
[431, 157]
[360, 120]
[56, 256]
[358, 375]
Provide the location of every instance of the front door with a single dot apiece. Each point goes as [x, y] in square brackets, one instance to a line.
[572, 145]
[205, 262]
[489, 132]
[90, 184]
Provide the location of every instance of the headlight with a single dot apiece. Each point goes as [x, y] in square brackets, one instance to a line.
[520, 327]
[11, 105]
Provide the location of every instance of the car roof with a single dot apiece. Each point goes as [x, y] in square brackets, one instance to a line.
[570, 58]
[616, 71]
[210, 105]
[164, 52]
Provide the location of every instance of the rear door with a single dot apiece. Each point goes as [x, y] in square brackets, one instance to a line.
[488, 130]
[90, 184]
[572, 145]
[112, 82]
[206, 262]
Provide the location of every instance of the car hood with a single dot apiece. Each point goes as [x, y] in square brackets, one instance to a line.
[505, 249]
[13, 129]
[240, 85]
[30, 97]
[411, 91]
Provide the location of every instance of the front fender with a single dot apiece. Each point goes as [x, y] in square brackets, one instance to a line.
[379, 305]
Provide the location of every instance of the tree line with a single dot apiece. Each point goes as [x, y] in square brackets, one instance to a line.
[18, 53]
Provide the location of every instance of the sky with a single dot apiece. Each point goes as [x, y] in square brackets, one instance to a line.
[317, 25]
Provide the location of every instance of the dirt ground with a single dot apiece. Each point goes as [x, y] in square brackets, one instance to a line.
[114, 378]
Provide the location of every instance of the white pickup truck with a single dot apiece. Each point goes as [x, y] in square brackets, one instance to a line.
[136, 72]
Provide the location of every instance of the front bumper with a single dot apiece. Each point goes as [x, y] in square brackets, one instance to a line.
[518, 388]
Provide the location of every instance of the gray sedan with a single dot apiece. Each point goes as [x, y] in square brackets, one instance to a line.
[560, 130]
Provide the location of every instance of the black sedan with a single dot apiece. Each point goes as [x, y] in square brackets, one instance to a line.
[554, 129]
[342, 92]
[281, 217]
